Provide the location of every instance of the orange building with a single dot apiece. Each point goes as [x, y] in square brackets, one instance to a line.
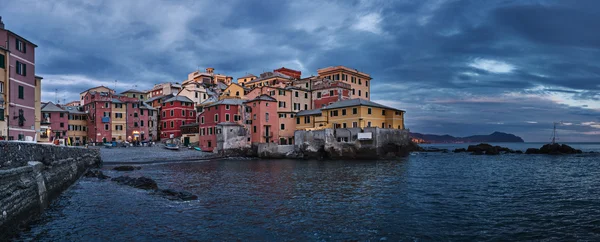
[262, 119]
[359, 81]
[289, 72]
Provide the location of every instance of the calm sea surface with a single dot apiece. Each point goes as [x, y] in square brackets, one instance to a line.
[427, 196]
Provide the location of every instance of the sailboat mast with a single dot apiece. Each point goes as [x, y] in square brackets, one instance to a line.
[554, 134]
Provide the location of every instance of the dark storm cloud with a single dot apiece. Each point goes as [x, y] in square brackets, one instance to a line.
[457, 67]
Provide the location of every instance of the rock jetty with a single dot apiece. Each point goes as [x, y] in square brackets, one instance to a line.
[485, 149]
[149, 184]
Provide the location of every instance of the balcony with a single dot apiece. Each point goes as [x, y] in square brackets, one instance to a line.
[268, 135]
[105, 119]
[45, 121]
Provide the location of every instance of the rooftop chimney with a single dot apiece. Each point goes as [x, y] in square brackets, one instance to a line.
[210, 70]
[1, 23]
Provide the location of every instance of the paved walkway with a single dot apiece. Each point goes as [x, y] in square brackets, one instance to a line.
[150, 154]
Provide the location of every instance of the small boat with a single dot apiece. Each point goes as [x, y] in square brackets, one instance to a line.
[171, 146]
[197, 148]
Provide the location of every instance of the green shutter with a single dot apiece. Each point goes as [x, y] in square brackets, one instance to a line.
[21, 94]
[2, 62]
[1, 114]
[24, 70]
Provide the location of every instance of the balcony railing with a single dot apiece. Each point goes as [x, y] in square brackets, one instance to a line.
[105, 119]
[268, 134]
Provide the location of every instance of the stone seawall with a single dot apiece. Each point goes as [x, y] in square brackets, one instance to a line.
[32, 175]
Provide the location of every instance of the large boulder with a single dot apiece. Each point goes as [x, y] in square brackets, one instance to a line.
[126, 168]
[557, 149]
[95, 173]
[532, 151]
[140, 182]
[459, 150]
[176, 195]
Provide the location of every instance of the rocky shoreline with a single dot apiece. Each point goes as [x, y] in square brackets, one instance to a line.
[487, 149]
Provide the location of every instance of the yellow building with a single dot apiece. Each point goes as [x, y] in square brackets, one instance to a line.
[38, 106]
[4, 54]
[246, 78]
[119, 120]
[141, 95]
[77, 128]
[359, 81]
[233, 91]
[353, 113]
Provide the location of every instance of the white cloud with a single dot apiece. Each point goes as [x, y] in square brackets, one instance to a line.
[369, 23]
[531, 122]
[493, 66]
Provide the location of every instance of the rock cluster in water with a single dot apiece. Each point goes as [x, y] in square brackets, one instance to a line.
[486, 149]
[126, 168]
[149, 184]
[554, 149]
[96, 173]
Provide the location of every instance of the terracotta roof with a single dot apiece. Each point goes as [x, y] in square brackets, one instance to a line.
[263, 97]
[179, 98]
[309, 112]
[227, 101]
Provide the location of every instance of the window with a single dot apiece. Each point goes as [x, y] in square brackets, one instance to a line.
[141, 96]
[106, 105]
[2, 62]
[318, 94]
[366, 94]
[366, 83]
[344, 125]
[237, 93]
[359, 93]
[282, 115]
[282, 104]
[267, 104]
[296, 94]
[369, 111]
[254, 129]
[354, 125]
[20, 45]
[216, 118]
[354, 110]
[267, 117]
[1, 87]
[343, 112]
[21, 92]
[298, 120]
[164, 125]
[191, 113]
[331, 93]
[164, 114]
[183, 113]
[62, 125]
[135, 124]
[142, 123]
[382, 125]
[227, 107]
[382, 112]
[172, 124]
[307, 119]
[359, 81]
[306, 93]
[172, 113]
[227, 117]
[135, 115]
[106, 127]
[305, 106]
[202, 119]
[282, 126]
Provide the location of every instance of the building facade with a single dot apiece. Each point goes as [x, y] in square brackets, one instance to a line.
[55, 120]
[326, 92]
[262, 120]
[223, 111]
[132, 93]
[4, 78]
[289, 72]
[176, 111]
[21, 84]
[77, 126]
[359, 81]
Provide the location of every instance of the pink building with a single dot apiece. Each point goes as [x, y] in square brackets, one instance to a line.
[262, 119]
[224, 111]
[57, 121]
[22, 85]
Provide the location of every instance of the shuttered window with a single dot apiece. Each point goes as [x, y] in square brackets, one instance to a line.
[2, 62]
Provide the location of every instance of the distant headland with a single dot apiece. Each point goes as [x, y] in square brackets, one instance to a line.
[490, 138]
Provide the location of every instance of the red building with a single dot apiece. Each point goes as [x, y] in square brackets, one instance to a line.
[112, 117]
[224, 111]
[176, 111]
[55, 121]
[262, 119]
[289, 72]
[326, 92]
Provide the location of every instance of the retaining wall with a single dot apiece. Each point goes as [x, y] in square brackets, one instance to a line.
[32, 175]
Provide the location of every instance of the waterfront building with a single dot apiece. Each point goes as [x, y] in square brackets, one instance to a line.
[118, 121]
[77, 125]
[38, 106]
[234, 90]
[359, 81]
[111, 117]
[195, 91]
[19, 107]
[54, 122]
[289, 72]
[326, 92]
[4, 79]
[353, 113]
[208, 77]
[148, 123]
[156, 102]
[190, 134]
[94, 89]
[246, 78]
[261, 119]
[164, 89]
[226, 110]
[176, 111]
[133, 93]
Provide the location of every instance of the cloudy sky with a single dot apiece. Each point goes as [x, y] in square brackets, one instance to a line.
[456, 67]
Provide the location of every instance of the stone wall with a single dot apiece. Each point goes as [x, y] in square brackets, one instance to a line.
[344, 144]
[273, 150]
[32, 175]
[233, 141]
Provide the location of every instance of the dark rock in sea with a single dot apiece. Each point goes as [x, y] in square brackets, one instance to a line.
[459, 150]
[140, 182]
[492, 151]
[519, 152]
[478, 152]
[558, 149]
[176, 195]
[432, 149]
[532, 151]
[96, 173]
[126, 168]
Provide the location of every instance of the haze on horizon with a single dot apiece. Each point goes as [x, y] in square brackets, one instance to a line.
[456, 67]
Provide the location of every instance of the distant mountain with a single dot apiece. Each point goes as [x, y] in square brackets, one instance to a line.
[491, 138]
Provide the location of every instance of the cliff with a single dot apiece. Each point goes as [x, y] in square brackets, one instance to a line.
[496, 137]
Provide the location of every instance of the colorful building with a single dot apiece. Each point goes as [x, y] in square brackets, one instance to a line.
[148, 123]
[262, 120]
[359, 81]
[38, 106]
[233, 91]
[132, 93]
[77, 126]
[268, 79]
[195, 91]
[54, 123]
[164, 89]
[94, 89]
[19, 53]
[326, 92]
[353, 113]
[289, 72]
[4, 78]
[176, 111]
[226, 110]
[246, 78]
[190, 134]
[208, 77]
